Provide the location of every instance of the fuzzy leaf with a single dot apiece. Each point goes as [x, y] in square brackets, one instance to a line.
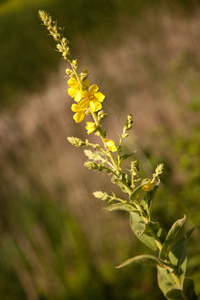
[171, 237]
[152, 225]
[119, 181]
[165, 279]
[141, 259]
[121, 206]
[138, 228]
[186, 293]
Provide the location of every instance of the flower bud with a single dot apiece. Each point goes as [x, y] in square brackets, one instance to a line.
[129, 122]
[101, 115]
[91, 165]
[76, 141]
[134, 167]
[75, 63]
[68, 71]
[159, 170]
[100, 195]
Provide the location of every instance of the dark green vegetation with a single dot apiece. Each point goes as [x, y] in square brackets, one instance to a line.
[56, 242]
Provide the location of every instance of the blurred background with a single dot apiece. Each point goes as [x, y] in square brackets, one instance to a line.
[56, 240]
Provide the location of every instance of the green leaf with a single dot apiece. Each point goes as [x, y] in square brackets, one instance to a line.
[138, 227]
[141, 259]
[136, 192]
[171, 237]
[188, 288]
[121, 206]
[189, 232]
[161, 234]
[177, 254]
[186, 293]
[165, 279]
[174, 293]
[123, 178]
[152, 225]
[146, 203]
[124, 157]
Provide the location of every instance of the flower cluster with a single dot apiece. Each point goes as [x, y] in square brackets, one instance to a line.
[85, 97]
[88, 99]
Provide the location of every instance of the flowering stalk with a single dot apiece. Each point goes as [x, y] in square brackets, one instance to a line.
[140, 192]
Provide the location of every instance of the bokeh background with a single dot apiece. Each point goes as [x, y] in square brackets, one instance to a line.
[56, 241]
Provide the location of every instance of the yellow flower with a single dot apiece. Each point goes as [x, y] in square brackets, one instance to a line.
[75, 91]
[148, 186]
[90, 127]
[79, 112]
[110, 144]
[92, 98]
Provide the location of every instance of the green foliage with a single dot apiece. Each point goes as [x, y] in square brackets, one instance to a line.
[170, 238]
[167, 282]
[142, 259]
[147, 202]
[165, 279]
[138, 227]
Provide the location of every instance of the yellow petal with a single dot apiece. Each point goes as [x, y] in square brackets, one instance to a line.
[110, 144]
[75, 107]
[99, 96]
[72, 81]
[148, 186]
[93, 89]
[78, 96]
[90, 127]
[71, 92]
[83, 104]
[95, 105]
[85, 94]
[79, 116]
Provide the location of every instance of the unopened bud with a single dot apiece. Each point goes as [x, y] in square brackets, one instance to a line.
[68, 71]
[76, 141]
[129, 122]
[159, 170]
[101, 115]
[74, 62]
[100, 195]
